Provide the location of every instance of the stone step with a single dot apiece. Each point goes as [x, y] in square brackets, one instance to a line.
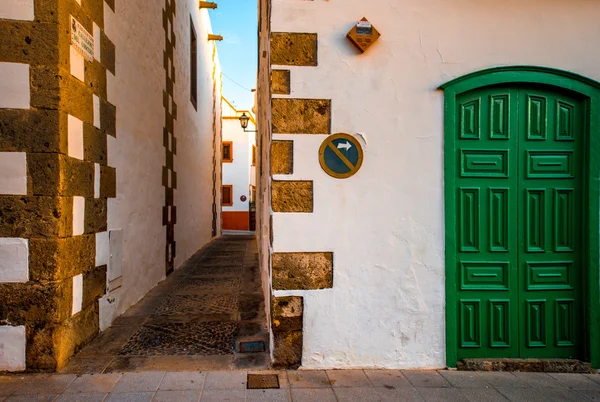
[525, 365]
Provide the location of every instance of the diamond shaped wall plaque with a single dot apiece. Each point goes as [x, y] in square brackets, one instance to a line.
[363, 35]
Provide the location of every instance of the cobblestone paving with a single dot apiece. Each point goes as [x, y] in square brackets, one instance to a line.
[198, 304]
[304, 386]
[203, 338]
[221, 271]
[194, 320]
[212, 285]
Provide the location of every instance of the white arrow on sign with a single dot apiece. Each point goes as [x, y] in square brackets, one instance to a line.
[347, 146]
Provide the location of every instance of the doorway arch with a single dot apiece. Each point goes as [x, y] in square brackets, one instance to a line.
[512, 79]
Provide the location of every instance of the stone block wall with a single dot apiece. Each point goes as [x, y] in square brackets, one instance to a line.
[55, 125]
[292, 270]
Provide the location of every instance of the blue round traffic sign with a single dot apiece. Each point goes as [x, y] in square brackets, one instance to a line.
[341, 156]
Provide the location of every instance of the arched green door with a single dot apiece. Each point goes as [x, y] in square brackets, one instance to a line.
[519, 196]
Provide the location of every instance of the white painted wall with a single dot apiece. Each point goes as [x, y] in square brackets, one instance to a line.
[194, 160]
[13, 173]
[237, 173]
[137, 235]
[17, 10]
[14, 260]
[14, 86]
[12, 348]
[78, 216]
[77, 294]
[75, 137]
[385, 224]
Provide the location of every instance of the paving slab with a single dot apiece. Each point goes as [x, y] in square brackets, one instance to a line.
[591, 394]
[9, 384]
[426, 378]
[541, 380]
[32, 398]
[482, 395]
[87, 365]
[312, 395]
[182, 381]
[227, 395]
[308, 379]
[267, 395]
[177, 396]
[46, 384]
[464, 379]
[138, 382]
[560, 395]
[130, 397]
[522, 394]
[398, 394]
[593, 377]
[356, 395]
[348, 378]
[387, 378]
[225, 380]
[93, 384]
[437, 394]
[303, 385]
[169, 363]
[502, 379]
[81, 398]
[575, 380]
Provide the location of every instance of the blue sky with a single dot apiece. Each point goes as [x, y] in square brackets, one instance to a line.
[236, 20]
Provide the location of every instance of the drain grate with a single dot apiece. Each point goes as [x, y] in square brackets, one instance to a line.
[252, 347]
[263, 381]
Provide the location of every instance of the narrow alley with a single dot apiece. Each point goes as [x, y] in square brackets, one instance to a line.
[200, 317]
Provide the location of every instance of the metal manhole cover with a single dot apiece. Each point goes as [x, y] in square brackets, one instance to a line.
[263, 381]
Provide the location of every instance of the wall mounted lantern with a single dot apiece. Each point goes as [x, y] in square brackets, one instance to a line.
[244, 123]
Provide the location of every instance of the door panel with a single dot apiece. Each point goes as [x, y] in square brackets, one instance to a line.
[549, 275]
[486, 222]
[518, 213]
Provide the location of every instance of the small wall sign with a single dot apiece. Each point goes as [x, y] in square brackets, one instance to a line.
[363, 35]
[341, 156]
[243, 198]
[82, 40]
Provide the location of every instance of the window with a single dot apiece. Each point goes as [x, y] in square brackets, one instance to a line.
[193, 66]
[228, 151]
[227, 195]
[253, 155]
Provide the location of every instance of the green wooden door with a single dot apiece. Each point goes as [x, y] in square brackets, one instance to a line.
[518, 225]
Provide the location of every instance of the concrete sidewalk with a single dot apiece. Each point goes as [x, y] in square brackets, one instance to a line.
[302, 386]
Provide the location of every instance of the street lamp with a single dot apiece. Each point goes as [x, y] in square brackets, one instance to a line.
[244, 123]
